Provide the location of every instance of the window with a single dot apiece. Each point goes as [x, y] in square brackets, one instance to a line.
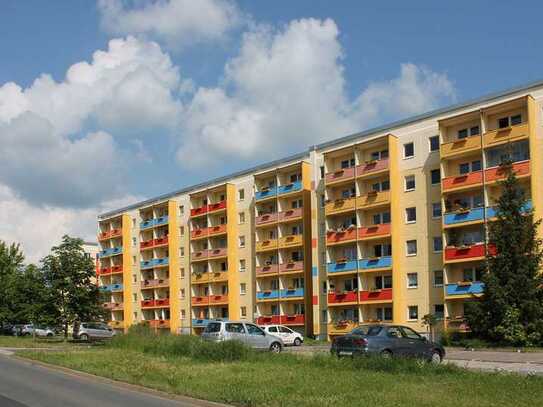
[182, 293]
[410, 215]
[134, 241]
[347, 163]
[411, 247]
[183, 314]
[379, 155]
[412, 280]
[242, 266]
[384, 314]
[436, 210]
[438, 244]
[509, 121]
[435, 176]
[438, 278]
[243, 312]
[383, 282]
[462, 134]
[135, 296]
[181, 210]
[241, 217]
[410, 183]
[322, 171]
[242, 241]
[134, 278]
[439, 310]
[134, 260]
[133, 222]
[434, 143]
[243, 288]
[413, 312]
[379, 250]
[381, 218]
[408, 150]
[254, 330]
[465, 168]
[241, 194]
[181, 251]
[473, 274]
[182, 272]
[232, 327]
[324, 316]
[473, 131]
[410, 334]
[297, 203]
[135, 315]
[181, 231]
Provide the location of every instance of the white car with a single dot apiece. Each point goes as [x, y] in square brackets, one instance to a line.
[29, 330]
[288, 336]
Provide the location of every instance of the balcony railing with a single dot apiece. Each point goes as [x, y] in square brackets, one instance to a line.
[370, 232]
[460, 146]
[118, 268]
[296, 319]
[112, 305]
[158, 323]
[266, 219]
[265, 193]
[276, 294]
[199, 255]
[341, 236]
[217, 276]
[208, 232]
[373, 199]
[200, 323]
[202, 210]
[217, 230]
[291, 266]
[520, 168]
[148, 244]
[340, 175]
[156, 303]
[289, 188]
[465, 288]
[372, 167]
[342, 266]
[506, 135]
[463, 216]
[113, 251]
[200, 278]
[467, 252]
[218, 299]
[269, 320]
[265, 245]
[163, 220]
[267, 269]
[157, 282]
[462, 181]
[340, 206]
[291, 214]
[199, 300]
[110, 234]
[214, 207]
[341, 327]
[116, 324]
[370, 263]
[111, 287]
[267, 294]
[146, 264]
[381, 295]
[219, 252]
[290, 241]
[292, 292]
[343, 297]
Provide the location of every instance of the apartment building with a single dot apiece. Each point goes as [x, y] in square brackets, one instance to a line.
[385, 225]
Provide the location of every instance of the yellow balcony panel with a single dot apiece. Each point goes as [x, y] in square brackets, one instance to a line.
[461, 146]
[218, 276]
[290, 241]
[339, 206]
[266, 245]
[373, 199]
[506, 135]
[198, 278]
[341, 327]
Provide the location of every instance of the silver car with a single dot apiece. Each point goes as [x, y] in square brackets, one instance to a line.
[93, 330]
[245, 332]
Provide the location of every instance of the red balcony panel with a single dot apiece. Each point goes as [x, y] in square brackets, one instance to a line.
[270, 268]
[372, 166]
[378, 295]
[196, 233]
[200, 301]
[198, 211]
[468, 252]
[109, 234]
[147, 303]
[338, 298]
[291, 266]
[117, 268]
[339, 175]
[472, 178]
[218, 299]
[216, 206]
[290, 214]
[215, 230]
[496, 173]
[335, 237]
[217, 252]
[375, 230]
[147, 243]
[161, 240]
[162, 302]
[268, 320]
[266, 218]
[298, 319]
[104, 271]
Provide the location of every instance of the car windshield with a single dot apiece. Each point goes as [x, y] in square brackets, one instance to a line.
[367, 330]
[213, 327]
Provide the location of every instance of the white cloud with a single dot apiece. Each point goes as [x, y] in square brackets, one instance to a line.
[37, 228]
[286, 90]
[176, 23]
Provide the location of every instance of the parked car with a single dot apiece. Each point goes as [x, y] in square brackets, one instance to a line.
[387, 341]
[289, 336]
[17, 330]
[41, 331]
[93, 331]
[245, 332]
[6, 329]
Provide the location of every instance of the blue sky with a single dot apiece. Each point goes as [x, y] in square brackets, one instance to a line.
[159, 119]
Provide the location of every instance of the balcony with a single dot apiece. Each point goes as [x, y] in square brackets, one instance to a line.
[464, 289]
[290, 241]
[467, 252]
[289, 188]
[216, 207]
[208, 232]
[269, 320]
[520, 168]
[375, 231]
[373, 199]
[290, 215]
[198, 233]
[267, 269]
[198, 278]
[343, 298]
[195, 212]
[491, 211]
[372, 168]
[461, 146]
[266, 245]
[150, 223]
[217, 230]
[506, 135]
[341, 327]
[110, 234]
[157, 282]
[112, 305]
[218, 299]
[149, 244]
[116, 324]
[199, 255]
[218, 276]
[267, 295]
[111, 287]
[147, 264]
[342, 266]
[266, 193]
[292, 292]
[464, 181]
[266, 219]
[116, 269]
[376, 296]
[156, 303]
[216, 253]
[338, 176]
[296, 319]
[340, 206]
[291, 266]
[463, 216]
[113, 251]
[200, 323]
[342, 236]
[159, 323]
[375, 263]
[197, 301]
[104, 271]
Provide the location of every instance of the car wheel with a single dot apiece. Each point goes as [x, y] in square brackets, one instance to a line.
[386, 354]
[84, 337]
[49, 335]
[26, 334]
[436, 357]
[297, 342]
[275, 347]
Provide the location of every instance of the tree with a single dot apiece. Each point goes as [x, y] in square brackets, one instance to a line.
[511, 309]
[68, 275]
[11, 261]
[430, 320]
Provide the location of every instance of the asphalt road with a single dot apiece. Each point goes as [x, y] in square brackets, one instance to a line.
[24, 384]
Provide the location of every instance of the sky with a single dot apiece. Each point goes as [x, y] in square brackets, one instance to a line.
[106, 103]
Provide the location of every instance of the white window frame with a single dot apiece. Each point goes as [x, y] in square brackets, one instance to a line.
[432, 183]
[438, 205]
[407, 221]
[405, 183]
[407, 248]
[434, 278]
[241, 241]
[242, 288]
[409, 286]
[405, 157]
[430, 143]
[243, 268]
[241, 194]
[409, 313]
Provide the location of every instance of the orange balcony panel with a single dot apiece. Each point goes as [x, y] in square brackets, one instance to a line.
[521, 168]
[291, 266]
[216, 206]
[217, 230]
[154, 242]
[343, 236]
[267, 269]
[369, 232]
[201, 255]
[461, 181]
[371, 167]
[343, 297]
[162, 302]
[104, 271]
[506, 135]
[217, 252]
[290, 214]
[266, 219]
[146, 244]
[340, 175]
[148, 303]
[202, 210]
[159, 323]
[467, 252]
[154, 283]
[377, 295]
[218, 299]
[161, 241]
[199, 301]
[198, 233]
[460, 146]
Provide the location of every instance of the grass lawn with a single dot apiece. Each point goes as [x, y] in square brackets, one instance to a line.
[29, 342]
[183, 366]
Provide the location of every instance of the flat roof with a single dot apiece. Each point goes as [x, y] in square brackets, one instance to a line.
[349, 138]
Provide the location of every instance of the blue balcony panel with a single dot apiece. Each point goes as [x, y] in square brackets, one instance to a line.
[265, 295]
[474, 288]
[200, 323]
[285, 189]
[297, 292]
[378, 263]
[154, 262]
[491, 211]
[266, 194]
[468, 216]
[350, 265]
[163, 220]
[110, 252]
